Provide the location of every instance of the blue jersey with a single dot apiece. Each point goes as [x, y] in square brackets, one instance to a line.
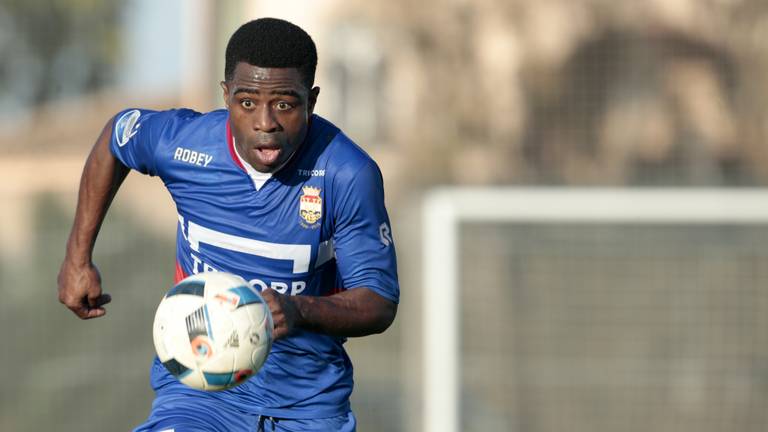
[317, 226]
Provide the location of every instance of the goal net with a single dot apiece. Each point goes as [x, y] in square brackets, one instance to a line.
[595, 310]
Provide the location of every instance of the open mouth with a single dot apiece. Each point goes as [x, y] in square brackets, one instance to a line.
[267, 155]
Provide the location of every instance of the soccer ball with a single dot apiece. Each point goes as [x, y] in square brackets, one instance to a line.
[212, 331]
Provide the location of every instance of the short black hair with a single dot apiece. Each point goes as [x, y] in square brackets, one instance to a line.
[272, 43]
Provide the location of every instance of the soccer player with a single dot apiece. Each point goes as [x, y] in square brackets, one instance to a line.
[267, 190]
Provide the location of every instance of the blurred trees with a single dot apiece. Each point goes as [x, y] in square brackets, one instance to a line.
[54, 49]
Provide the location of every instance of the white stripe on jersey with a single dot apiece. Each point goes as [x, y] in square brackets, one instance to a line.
[299, 254]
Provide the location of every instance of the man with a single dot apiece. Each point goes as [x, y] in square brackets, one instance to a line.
[267, 190]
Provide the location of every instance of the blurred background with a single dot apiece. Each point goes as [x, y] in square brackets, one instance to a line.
[563, 328]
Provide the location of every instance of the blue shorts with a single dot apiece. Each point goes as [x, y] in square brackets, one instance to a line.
[190, 413]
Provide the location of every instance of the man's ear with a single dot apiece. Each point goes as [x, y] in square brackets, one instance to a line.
[312, 99]
[225, 89]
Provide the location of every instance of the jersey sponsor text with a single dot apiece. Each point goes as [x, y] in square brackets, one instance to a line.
[192, 157]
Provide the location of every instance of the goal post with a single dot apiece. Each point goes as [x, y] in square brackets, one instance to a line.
[445, 209]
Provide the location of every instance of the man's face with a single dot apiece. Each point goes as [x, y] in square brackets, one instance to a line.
[269, 110]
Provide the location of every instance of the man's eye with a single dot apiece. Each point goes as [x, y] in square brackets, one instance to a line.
[283, 106]
[247, 103]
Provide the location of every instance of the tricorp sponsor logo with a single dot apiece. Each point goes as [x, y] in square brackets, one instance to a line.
[296, 287]
[289, 287]
[127, 126]
[311, 172]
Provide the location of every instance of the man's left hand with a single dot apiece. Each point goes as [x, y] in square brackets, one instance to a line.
[285, 313]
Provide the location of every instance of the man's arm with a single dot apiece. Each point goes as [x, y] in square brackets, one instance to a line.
[350, 313]
[79, 280]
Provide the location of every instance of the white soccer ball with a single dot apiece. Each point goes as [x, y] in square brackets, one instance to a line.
[212, 331]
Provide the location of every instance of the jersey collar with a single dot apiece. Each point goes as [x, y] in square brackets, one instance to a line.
[231, 145]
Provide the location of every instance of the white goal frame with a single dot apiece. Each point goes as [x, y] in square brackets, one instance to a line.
[444, 209]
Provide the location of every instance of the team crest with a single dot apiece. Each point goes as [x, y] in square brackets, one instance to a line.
[310, 206]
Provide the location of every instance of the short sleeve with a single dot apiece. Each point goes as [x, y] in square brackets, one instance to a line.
[135, 136]
[364, 248]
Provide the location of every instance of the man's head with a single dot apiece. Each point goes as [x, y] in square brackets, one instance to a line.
[268, 77]
[272, 43]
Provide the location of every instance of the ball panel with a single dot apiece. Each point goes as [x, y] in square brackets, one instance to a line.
[176, 369]
[214, 379]
[222, 362]
[260, 338]
[190, 287]
[201, 348]
[194, 379]
[198, 324]
[247, 295]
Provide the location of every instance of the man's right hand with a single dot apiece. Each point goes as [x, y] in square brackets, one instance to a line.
[80, 290]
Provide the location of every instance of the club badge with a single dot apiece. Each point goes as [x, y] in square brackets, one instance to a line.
[310, 206]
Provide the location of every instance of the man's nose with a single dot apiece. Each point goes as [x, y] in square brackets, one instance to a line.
[264, 119]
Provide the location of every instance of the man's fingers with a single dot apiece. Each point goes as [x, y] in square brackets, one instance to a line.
[94, 313]
[79, 310]
[281, 327]
[85, 312]
[88, 308]
[95, 302]
[279, 333]
[268, 295]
